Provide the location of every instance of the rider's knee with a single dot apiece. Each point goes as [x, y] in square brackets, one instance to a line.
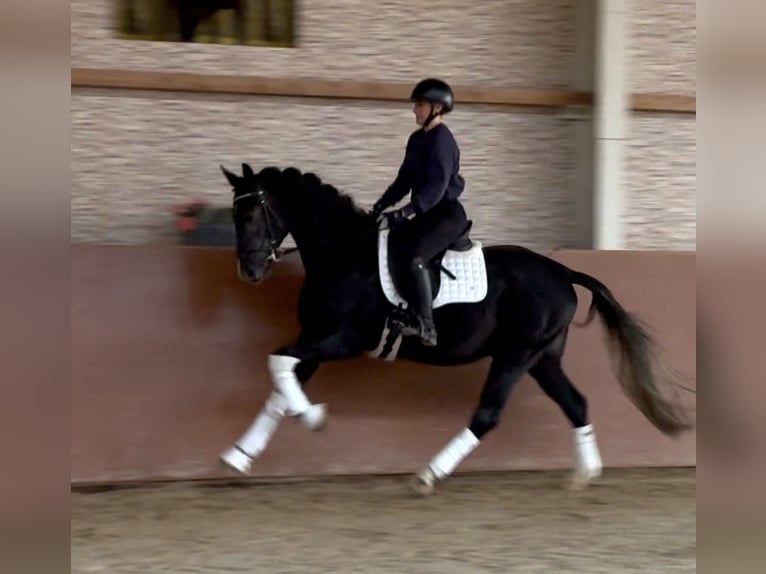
[417, 263]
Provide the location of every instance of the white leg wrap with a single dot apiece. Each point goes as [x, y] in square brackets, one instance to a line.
[588, 457]
[282, 370]
[451, 455]
[256, 438]
[259, 434]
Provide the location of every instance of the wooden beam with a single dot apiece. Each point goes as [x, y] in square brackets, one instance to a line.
[342, 89]
[664, 103]
[311, 88]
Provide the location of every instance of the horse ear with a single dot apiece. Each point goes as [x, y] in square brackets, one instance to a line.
[233, 179]
[247, 171]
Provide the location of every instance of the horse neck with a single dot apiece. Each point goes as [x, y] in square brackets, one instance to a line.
[332, 239]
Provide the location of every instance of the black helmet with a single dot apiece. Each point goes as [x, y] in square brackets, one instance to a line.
[436, 92]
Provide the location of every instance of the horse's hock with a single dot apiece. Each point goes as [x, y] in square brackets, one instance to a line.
[169, 366]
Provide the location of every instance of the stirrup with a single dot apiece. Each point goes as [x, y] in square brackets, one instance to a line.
[427, 334]
[417, 328]
[428, 337]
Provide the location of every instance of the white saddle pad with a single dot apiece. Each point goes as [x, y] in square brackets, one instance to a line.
[469, 285]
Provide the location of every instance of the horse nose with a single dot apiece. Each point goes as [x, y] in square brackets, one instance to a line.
[244, 273]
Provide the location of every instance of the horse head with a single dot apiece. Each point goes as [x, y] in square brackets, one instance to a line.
[326, 224]
[259, 227]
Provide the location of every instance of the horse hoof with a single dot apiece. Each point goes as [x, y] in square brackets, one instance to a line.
[582, 478]
[315, 418]
[423, 483]
[237, 460]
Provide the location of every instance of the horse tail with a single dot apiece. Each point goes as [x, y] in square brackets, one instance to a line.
[636, 361]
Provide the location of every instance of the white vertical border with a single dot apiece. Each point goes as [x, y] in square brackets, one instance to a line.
[611, 115]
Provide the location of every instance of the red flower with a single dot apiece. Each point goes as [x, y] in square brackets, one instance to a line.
[187, 224]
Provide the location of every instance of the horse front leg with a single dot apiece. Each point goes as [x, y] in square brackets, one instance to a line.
[241, 455]
[290, 369]
[285, 365]
[288, 387]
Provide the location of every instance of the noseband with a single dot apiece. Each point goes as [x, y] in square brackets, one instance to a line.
[271, 218]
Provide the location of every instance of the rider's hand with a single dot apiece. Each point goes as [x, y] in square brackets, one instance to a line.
[376, 210]
[397, 216]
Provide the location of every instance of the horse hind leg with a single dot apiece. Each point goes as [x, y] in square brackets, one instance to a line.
[502, 377]
[551, 377]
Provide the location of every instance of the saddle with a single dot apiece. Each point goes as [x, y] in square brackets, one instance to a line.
[458, 272]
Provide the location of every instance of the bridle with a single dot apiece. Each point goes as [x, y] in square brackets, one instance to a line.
[271, 218]
[273, 221]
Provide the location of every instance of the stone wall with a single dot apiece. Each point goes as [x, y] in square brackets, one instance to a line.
[661, 157]
[136, 154]
[493, 43]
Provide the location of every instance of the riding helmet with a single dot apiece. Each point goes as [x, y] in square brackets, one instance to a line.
[434, 91]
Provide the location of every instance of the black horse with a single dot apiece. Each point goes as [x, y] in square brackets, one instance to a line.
[192, 12]
[521, 321]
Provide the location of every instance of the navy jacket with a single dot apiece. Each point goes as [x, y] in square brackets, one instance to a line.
[431, 169]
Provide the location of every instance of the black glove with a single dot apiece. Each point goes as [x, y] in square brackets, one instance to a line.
[397, 216]
[377, 209]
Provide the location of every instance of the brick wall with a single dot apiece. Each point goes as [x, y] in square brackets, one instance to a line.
[661, 161]
[136, 154]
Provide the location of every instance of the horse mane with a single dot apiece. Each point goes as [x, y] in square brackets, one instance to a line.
[314, 197]
[314, 187]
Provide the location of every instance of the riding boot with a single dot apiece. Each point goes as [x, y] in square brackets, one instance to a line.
[423, 300]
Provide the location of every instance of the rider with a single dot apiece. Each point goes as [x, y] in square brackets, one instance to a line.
[434, 217]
